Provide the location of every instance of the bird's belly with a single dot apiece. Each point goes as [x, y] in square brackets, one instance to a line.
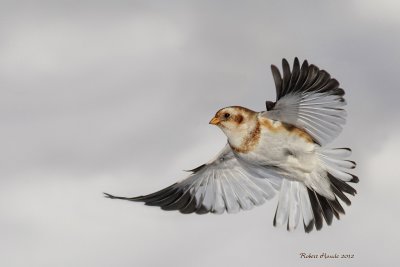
[270, 151]
[290, 153]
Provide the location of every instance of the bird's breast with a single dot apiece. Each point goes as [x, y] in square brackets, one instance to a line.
[282, 146]
[248, 141]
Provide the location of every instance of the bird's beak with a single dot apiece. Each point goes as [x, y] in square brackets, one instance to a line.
[214, 121]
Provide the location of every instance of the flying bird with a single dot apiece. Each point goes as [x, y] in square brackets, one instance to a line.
[281, 149]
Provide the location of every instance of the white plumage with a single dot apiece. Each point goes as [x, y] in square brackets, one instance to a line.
[280, 149]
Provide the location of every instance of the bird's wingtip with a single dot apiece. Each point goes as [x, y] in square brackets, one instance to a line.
[107, 195]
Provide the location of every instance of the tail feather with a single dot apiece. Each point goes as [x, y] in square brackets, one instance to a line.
[294, 213]
[316, 209]
[327, 211]
[293, 202]
[317, 201]
[306, 208]
[341, 185]
[283, 208]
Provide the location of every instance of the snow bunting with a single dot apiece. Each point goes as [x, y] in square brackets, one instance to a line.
[279, 149]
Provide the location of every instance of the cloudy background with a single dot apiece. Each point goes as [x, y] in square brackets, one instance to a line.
[116, 96]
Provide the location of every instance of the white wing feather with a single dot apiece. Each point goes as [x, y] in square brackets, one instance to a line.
[223, 184]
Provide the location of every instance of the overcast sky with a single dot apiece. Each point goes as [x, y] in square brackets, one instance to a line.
[115, 96]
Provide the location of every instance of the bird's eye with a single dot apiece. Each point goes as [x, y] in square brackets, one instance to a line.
[227, 115]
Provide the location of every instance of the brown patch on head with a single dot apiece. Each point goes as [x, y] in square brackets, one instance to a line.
[250, 141]
[236, 108]
[238, 118]
[236, 115]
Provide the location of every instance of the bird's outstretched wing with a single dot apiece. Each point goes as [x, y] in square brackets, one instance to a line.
[308, 98]
[224, 183]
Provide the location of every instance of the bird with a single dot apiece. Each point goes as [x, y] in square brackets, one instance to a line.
[281, 150]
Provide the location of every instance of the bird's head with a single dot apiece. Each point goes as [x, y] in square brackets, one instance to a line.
[235, 121]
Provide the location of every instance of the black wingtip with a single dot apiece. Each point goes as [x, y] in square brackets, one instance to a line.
[196, 169]
[107, 195]
[275, 71]
[296, 65]
[355, 179]
[354, 164]
[345, 148]
[285, 62]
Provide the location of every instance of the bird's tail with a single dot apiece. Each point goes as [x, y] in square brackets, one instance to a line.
[317, 198]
